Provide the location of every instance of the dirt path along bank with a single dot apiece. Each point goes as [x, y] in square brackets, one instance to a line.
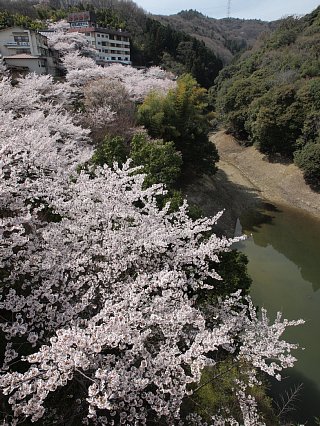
[246, 179]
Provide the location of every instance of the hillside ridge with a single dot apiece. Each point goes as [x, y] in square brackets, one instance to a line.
[226, 37]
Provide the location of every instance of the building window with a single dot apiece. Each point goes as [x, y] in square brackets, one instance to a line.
[87, 34]
[79, 24]
[23, 39]
[119, 58]
[113, 58]
[98, 35]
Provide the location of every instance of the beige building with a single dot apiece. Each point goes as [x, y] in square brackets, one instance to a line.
[111, 45]
[25, 50]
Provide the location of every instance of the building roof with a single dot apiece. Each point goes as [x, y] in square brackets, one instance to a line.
[23, 56]
[16, 27]
[99, 30]
[82, 30]
[82, 16]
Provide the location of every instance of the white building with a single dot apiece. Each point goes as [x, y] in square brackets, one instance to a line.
[26, 50]
[111, 45]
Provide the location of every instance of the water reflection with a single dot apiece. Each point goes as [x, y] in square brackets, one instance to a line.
[252, 220]
[284, 263]
[291, 233]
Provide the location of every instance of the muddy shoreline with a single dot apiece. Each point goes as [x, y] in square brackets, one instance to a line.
[246, 180]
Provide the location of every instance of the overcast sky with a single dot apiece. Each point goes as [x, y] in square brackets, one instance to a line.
[268, 10]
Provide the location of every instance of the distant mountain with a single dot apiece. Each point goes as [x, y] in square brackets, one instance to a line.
[226, 37]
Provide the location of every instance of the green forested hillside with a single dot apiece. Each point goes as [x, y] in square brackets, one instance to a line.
[271, 96]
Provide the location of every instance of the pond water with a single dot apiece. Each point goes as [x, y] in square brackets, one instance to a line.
[283, 248]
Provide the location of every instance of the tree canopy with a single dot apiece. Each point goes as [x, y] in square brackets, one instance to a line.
[180, 117]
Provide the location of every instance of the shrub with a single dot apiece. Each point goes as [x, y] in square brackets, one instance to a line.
[160, 161]
[308, 159]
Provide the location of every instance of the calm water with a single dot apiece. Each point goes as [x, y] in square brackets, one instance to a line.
[284, 262]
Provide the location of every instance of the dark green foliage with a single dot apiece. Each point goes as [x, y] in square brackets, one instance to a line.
[111, 150]
[161, 162]
[180, 117]
[105, 16]
[109, 18]
[215, 391]
[236, 101]
[157, 40]
[175, 198]
[286, 33]
[233, 271]
[309, 96]
[275, 121]
[308, 159]
[235, 45]
[6, 20]
[16, 19]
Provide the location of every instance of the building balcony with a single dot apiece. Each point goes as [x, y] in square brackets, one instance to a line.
[123, 50]
[15, 44]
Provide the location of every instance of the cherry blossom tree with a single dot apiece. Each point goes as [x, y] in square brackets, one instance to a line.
[99, 287]
[65, 42]
[108, 108]
[105, 302]
[82, 70]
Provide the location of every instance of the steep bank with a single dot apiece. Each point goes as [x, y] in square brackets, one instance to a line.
[246, 179]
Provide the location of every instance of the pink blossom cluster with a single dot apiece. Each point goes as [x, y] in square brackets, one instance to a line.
[81, 70]
[66, 42]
